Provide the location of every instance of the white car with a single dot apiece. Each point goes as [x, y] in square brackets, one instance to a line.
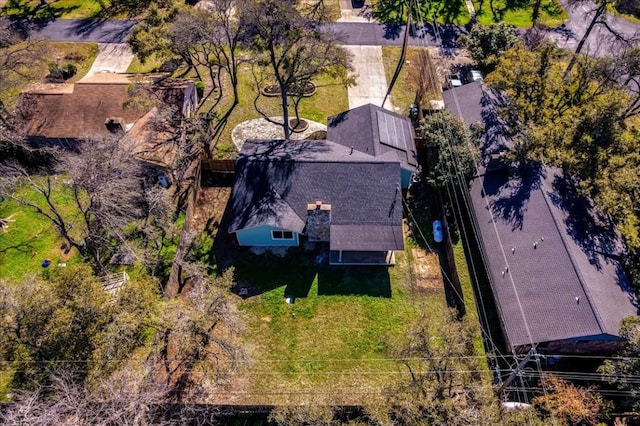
[454, 81]
[474, 75]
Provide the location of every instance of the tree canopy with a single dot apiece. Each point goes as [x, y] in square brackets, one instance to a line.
[586, 124]
[487, 43]
[449, 153]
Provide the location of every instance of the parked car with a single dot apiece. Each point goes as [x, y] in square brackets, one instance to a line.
[438, 236]
[454, 81]
[474, 75]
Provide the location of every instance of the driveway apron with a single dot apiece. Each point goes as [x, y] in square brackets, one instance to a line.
[112, 58]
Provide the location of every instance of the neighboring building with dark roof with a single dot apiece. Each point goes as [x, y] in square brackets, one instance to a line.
[552, 259]
[376, 131]
[321, 191]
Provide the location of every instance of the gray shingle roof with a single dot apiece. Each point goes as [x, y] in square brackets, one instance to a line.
[375, 131]
[557, 285]
[276, 180]
[568, 286]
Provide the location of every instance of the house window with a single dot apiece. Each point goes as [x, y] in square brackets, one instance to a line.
[282, 235]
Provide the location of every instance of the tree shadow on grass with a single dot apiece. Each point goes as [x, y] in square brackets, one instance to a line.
[36, 16]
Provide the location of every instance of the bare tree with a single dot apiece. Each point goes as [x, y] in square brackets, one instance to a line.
[103, 182]
[127, 398]
[295, 45]
[443, 383]
[209, 39]
[598, 18]
[199, 332]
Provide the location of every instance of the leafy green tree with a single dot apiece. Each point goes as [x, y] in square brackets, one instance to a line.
[622, 370]
[68, 320]
[150, 36]
[580, 124]
[487, 43]
[449, 153]
[47, 321]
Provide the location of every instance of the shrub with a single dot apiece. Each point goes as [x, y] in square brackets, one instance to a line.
[68, 71]
[199, 88]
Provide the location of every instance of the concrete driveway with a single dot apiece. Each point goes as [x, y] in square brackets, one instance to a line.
[112, 58]
[371, 82]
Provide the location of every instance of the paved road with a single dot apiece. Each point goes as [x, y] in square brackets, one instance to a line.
[568, 35]
[356, 33]
[88, 30]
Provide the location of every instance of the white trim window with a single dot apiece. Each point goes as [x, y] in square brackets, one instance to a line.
[282, 235]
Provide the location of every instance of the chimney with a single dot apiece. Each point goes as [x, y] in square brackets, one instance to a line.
[318, 221]
[114, 125]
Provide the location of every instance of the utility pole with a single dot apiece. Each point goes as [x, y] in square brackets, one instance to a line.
[403, 55]
[516, 371]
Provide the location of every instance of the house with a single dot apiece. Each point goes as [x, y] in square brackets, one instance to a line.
[376, 131]
[553, 261]
[64, 114]
[287, 192]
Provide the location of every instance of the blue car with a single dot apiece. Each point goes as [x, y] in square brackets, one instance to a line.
[437, 231]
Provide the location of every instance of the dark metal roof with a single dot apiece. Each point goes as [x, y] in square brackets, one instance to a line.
[375, 131]
[276, 180]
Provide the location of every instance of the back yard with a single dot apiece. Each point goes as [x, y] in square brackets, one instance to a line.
[337, 342]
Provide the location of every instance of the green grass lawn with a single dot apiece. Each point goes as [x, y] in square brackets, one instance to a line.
[29, 240]
[80, 54]
[519, 13]
[329, 99]
[337, 338]
[53, 9]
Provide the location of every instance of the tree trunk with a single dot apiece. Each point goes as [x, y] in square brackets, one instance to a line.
[285, 112]
[536, 13]
[599, 12]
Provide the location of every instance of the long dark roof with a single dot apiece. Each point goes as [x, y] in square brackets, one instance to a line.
[276, 180]
[547, 260]
[375, 131]
[551, 257]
